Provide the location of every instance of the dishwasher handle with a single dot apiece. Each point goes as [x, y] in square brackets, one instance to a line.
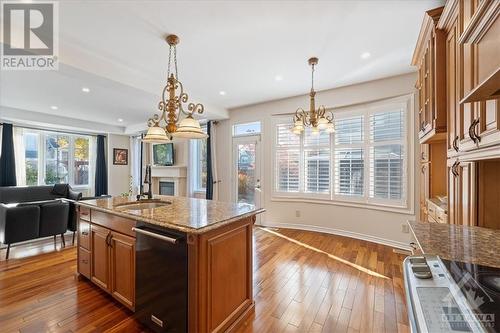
[155, 235]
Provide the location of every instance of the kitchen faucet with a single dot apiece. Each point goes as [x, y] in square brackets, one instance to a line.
[147, 180]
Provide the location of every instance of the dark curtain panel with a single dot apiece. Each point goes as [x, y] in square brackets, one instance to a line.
[210, 180]
[7, 159]
[101, 172]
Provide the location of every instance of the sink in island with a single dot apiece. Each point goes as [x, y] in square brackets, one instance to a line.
[181, 264]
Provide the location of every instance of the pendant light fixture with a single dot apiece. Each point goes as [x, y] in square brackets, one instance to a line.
[319, 119]
[172, 107]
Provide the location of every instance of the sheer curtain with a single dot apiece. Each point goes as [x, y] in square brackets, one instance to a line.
[135, 163]
[213, 141]
[19, 155]
[92, 164]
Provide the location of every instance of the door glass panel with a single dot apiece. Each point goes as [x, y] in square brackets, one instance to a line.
[246, 173]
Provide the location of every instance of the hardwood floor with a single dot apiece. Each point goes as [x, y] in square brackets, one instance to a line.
[303, 282]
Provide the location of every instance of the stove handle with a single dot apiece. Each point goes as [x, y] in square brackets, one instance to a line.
[157, 236]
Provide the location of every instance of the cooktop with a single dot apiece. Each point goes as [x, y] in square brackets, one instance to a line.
[481, 287]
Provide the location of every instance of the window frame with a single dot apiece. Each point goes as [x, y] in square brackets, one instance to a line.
[196, 163]
[405, 205]
[42, 136]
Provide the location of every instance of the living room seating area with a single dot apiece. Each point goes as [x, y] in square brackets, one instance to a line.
[31, 212]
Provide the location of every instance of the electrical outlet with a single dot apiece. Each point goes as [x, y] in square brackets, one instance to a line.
[297, 213]
[405, 228]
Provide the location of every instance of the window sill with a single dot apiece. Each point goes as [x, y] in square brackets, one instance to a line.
[346, 203]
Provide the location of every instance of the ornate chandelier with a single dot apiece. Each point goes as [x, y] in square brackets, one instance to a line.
[319, 119]
[172, 107]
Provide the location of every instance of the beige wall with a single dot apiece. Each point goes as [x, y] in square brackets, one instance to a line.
[372, 224]
[118, 175]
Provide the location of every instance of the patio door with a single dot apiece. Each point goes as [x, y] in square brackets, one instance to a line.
[247, 180]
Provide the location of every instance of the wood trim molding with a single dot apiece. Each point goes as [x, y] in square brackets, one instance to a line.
[448, 15]
[486, 14]
[431, 17]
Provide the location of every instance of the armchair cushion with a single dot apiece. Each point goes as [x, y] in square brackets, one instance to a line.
[53, 218]
[60, 190]
[19, 224]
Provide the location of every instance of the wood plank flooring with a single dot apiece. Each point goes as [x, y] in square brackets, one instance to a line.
[303, 282]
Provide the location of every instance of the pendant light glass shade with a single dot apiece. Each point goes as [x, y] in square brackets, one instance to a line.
[322, 123]
[189, 128]
[156, 134]
[315, 131]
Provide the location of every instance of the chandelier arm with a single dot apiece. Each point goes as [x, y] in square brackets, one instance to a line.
[329, 116]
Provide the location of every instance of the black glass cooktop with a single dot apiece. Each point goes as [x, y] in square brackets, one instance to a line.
[481, 287]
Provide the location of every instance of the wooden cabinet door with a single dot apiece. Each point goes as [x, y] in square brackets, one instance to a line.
[122, 249]
[451, 90]
[453, 202]
[100, 256]
[467, 193]
[424, 189]
[488, 128]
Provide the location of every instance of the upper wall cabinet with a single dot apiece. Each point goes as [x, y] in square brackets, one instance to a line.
[429, 57]
[483, 30]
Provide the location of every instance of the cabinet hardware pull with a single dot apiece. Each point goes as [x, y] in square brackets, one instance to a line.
[454, 144]
[107, 238]
[85, 261]
[85, 233]
[470, 132]
[155, 235]
[475, 123]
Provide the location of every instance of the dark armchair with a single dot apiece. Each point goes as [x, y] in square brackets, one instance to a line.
[28, 213]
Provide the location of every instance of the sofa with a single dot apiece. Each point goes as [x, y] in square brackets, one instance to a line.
[31, 212]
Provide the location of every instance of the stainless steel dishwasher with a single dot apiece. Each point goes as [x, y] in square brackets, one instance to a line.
[161, 278]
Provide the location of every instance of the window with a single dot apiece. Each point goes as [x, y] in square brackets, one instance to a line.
[364, 160]
[53, 158]
[246, 129]
[199, 162]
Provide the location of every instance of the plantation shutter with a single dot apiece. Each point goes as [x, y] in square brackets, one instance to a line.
[349, 171]
[316, 162]
[387, 132]
[287, 159]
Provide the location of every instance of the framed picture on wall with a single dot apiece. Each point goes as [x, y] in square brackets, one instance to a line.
[120, 156]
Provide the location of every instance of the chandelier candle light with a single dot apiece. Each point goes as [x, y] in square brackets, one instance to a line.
[171, 107]
[319, 119]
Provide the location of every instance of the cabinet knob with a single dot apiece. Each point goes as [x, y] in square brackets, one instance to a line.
[85, 233]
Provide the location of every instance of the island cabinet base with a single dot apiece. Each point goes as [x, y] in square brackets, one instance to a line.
[218, 295]
[220, 277]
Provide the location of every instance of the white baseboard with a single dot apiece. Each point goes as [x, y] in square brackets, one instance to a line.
[339, 232]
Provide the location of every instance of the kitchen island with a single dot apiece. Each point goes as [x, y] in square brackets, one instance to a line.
[181, 264]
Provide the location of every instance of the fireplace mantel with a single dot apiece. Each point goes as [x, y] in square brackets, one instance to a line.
[175, 174]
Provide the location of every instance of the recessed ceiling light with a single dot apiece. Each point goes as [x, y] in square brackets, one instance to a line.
[53, 107]
[278, 78]
[120, 120]
[365, 55]
[222, 93]
[85, 89]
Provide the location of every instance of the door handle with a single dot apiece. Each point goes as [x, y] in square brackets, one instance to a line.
[454, 144]
[155, 235]
[474, 133]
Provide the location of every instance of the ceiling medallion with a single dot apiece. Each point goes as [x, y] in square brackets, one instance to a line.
[319, 119]
[172, 107]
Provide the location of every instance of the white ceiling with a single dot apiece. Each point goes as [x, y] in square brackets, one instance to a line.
[117, 49]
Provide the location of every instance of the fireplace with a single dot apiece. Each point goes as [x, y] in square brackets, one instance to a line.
[167, 188]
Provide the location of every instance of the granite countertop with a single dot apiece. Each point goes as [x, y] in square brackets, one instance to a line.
[461, 243]
[184, 214]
